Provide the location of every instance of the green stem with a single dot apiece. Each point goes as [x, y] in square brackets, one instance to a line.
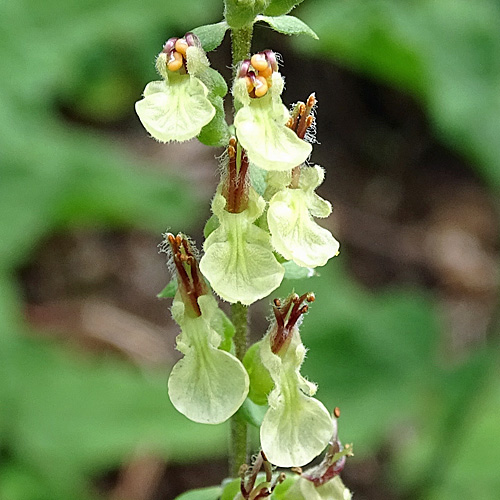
[238, 453]
[239, 317]
[241, 43]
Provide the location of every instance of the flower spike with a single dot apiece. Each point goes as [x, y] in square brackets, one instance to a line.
[296, 427]
[207, 385]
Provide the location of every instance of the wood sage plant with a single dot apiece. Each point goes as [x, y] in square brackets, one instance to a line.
[263, 229]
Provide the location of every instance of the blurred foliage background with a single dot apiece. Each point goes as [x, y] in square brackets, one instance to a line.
[404, 334]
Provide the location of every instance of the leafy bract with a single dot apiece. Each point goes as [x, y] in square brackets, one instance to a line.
[288, 25]
[211, 35]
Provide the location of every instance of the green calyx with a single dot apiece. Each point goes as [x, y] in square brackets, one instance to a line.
[241, 13]
[261, 383]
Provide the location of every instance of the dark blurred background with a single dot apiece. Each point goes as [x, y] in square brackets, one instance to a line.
[403, 336]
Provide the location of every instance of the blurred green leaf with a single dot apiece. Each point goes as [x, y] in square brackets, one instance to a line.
[71, 416]
[231, 490]
[445, 52]
[169, 291]
[369, 353]
[65, 417]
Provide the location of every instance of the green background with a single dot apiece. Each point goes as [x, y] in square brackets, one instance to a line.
[68, 417]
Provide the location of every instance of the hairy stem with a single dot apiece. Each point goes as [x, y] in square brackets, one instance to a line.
[241, 41]
[239, 432]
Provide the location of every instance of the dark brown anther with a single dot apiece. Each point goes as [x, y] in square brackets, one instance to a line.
[267, 467]
[169, 45]
[191, 283]
[278, 480]
[336, 412]
[235, 187]
[280, 323]
[277, 302]
[311, 102]
[242, 470]
[263, 493]
[287, 316]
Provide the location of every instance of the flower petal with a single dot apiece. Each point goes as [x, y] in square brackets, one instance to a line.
[260, 128]
[238, 260]
[207, 385]
[296, 427]
[175, 110]
[331, 490]
[295, 432]
[294, 233]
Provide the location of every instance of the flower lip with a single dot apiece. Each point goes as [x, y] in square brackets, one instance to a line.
[335, 458]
